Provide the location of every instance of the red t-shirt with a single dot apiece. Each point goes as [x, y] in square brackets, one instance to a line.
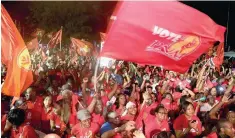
[85, 132]
[181, 123]
[128, 118]
[212, 135]
[59, 124]
[75, 99]
[36, 109]
[26, 131]
[45, 120]
[152, 127]
[144, 113]
[97, 118]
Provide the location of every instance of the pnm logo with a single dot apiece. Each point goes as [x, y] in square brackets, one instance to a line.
[23, 59]
[176, 50]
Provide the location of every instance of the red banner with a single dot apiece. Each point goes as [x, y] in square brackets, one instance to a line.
[16, 56]
[102, 36]
[56, 39]
[170, 34]
[83, 48]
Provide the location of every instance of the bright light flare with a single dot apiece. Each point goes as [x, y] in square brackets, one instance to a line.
[106, 62]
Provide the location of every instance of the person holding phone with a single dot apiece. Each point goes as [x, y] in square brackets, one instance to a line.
[187, 124]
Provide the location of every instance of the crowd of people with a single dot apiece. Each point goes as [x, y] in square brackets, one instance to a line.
[131, 101]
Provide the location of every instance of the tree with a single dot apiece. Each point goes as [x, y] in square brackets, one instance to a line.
[78, 18]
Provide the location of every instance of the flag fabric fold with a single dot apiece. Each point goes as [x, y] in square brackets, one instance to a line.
[219, 58]
[56, 39]
[161, 34]
[82, 47]
[15, 56]
[102, 36]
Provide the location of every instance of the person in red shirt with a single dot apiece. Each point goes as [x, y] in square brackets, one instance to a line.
[51, 91]
[157, 123]
[17, 117]
[45, 118]
[5, 124]
[120, 104]
[224, 130]
[57, 123]
[85, 128]
[145, 109]
[187, 124]
[130, 113]
[97, 115]
[34, 105]
[231, 117]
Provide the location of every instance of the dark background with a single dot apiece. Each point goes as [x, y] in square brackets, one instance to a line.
[217, 10]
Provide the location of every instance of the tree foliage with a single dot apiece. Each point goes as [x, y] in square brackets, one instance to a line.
[80, 19]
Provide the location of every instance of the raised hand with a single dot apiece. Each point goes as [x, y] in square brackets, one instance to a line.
[85, 80]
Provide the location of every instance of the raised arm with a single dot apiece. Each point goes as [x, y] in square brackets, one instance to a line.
[110, 95]
[216, 108]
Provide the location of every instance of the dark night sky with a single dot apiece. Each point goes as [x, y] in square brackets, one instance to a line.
[217, 10]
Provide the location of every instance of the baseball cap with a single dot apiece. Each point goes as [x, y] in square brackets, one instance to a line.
[129, 105]
[83, 114]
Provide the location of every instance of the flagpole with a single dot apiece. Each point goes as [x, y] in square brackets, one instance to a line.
[61, 37]
[96, 70]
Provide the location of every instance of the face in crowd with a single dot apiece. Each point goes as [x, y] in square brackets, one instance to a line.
[161, 113]
[113, 118]
[188, 109]
[147, 98]
[47, 101]
[30, 94]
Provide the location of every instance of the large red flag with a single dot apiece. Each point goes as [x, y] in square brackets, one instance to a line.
[102, 36]
[170, 34]
[16, 56]
[33, 44]
[83, 48]
[56, 39]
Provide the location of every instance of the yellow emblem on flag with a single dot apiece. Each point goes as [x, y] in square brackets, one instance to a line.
[23, 59]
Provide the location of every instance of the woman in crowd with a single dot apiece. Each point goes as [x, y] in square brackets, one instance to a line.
[47, 109]
[187, 124]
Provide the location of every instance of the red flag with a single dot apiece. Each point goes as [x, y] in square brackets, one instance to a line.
[161, 33]
[219, 58]
[102, 36]
[19, 75]
[220, 54]
[33, 44]
[56, 39]
[83, 48]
